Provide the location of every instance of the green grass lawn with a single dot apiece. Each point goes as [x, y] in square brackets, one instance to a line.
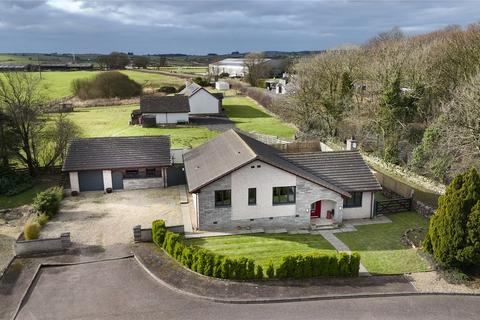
[23, 198]
[113, 121]
[381, 248]
[263, 247]
[185, 69]
[57, 84]
[250, 116]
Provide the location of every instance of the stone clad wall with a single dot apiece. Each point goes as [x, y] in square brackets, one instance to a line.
[208, 213]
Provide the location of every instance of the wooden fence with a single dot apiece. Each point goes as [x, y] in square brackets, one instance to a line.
[393, 205]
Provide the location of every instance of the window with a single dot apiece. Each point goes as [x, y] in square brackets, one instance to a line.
[252, 196]
[150, 172]
[283, 195]
[223, 198]
[131, 173]
[354, 201]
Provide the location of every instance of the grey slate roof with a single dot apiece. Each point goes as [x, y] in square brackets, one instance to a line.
[217, 95]
[345, 169]
[232, 150]
[193, 88]
[164, 104]
[117, 152]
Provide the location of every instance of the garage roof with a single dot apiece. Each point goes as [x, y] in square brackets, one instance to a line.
[164, 104]
[117, 152]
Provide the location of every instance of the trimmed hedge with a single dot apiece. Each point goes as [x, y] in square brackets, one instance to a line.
[158, 232]
[318, 265]
[211, 264]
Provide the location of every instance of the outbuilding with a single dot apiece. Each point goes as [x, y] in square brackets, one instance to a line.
[201, 100]
[113, 163]
[164, 109]
[222, 85]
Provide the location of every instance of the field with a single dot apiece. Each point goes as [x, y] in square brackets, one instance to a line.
[57, 84]
[250, 116]
[113, 121]
[263, 248]
[187, 70]
[380, 246]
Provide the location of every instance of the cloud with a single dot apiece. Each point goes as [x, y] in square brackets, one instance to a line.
[196, 26]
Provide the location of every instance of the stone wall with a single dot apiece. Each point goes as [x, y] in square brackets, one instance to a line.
[211, 217]
[422, 209]
[142, 183]
[28, 247]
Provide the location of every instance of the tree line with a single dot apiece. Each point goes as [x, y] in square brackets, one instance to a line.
[412, 100]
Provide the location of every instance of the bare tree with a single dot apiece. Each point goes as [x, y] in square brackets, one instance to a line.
[255, 68]
[39, 140]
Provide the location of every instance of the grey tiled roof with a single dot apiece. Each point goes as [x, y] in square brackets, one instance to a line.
[232, 150]
[345, 169]
[190, 89]
[117, 152]
[164, 104]
[217, 95]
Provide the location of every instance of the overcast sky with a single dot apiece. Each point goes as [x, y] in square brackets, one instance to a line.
[219, 26]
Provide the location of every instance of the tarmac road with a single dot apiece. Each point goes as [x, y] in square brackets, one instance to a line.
[121, 289]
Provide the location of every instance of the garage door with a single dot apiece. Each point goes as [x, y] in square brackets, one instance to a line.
[117, 180]
[90, 180]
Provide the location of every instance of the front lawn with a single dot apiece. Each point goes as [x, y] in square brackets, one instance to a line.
[250, 116]
[264, 247]
[113, 121]
[381, 247]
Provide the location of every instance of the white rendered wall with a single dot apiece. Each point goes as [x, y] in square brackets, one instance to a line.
[163, 118]
[203, 102]
[74, 184]
[264, 179]
[360, 212]
[107, 179]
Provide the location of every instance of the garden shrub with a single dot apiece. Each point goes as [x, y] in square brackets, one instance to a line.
[178, 250]
[304, 266]
[31, 230]
[48, 201]
[270, 270]
[170, 240]
[42, 219]
[158, 232]
[111, 84]
[453, 236]
[259, 272]
[187, 255]
[12, 182]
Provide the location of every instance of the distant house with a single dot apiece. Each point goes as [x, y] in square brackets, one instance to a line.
[101, 164]
[163, 109]
[201, 100]
[235, 67]
[222, 85]
[239, 182]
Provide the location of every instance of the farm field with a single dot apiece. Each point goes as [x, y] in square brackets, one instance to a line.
[381, 247]
[249, 116]
[57, 84]
[185, 69]
[263, 248]
[113, 121]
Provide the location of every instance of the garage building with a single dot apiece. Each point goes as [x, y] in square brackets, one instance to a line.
[99, 164]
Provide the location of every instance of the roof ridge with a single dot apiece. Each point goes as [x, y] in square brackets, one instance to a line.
[239, 134]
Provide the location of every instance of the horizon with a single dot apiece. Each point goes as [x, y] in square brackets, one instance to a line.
[202, 27]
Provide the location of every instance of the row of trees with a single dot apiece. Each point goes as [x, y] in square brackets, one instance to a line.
[30, 135]
[119, 60]
[411, 100]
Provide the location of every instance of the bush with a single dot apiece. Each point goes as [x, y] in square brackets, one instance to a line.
[224, 75]
[31, 230]
[454, 233]
[201, 81]
[111, 84]
[167, 89]
[270, 270]
[48, 202]
[171, 238]
[259, 272]
[158, 232]
[12, 182]
[42, 219]
[305, 266]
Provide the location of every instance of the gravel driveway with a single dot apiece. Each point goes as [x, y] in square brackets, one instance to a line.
[97, 219]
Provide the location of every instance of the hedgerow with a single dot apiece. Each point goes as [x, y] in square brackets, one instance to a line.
[211, 264]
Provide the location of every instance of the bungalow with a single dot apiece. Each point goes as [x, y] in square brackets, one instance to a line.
[112, 163]
[237, 181]
[163, 109]
[201, 100]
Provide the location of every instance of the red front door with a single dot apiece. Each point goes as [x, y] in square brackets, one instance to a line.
[316, 209]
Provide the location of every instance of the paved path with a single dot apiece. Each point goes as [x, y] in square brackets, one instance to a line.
[120, 290]
[341, 247]
[214, 122]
